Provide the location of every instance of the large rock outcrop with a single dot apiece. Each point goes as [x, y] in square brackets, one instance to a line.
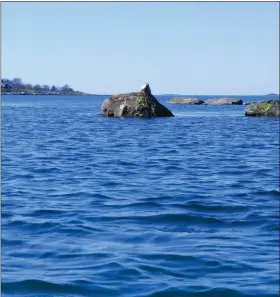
[140, 104]
[268, 108]
[224, 101]
[185, 101]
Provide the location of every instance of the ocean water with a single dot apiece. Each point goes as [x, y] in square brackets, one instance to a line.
[166, 207]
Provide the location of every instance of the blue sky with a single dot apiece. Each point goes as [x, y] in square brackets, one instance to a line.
[183, 48]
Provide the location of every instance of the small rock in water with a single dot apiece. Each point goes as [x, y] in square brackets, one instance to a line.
[268, 108]
[186, 101]
[139, 104]
[224, 101]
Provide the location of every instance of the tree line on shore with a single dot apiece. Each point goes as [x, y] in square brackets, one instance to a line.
[16, 86]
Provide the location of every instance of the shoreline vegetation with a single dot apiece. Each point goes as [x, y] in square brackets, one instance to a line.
[17, 87]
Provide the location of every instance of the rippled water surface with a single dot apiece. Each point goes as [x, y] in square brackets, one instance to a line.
[93, 206]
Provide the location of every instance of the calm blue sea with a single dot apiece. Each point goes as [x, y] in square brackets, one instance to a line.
[166, 207]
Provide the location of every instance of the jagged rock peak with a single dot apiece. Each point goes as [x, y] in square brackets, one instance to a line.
[146, 89]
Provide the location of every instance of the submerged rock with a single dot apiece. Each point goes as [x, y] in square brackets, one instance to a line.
[140, 104]
[186, 101]
[268, 108]
[224, 101]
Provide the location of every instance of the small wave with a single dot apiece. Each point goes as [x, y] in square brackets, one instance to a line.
[96, 255]
[169, 257]
[144, 205]
[39, 286]
[9, 242]
[128, 164]
[74, 194]
[5, 215]
[271, 226]
[164, 218]
[46, 170]
[159, 270]
[77, 230]
[198, 206]
[111, 184]
[199, 292]
[22, 176]
[248, 223]
[269, 192]
[159, 198]
[47, 212]
[173, 167]
[34, 286]
[38, 226]
[184, 218]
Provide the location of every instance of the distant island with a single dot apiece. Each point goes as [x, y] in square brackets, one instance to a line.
[271, 94]
[17, 87]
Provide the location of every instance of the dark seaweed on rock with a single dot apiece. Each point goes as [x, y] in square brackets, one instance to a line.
[139, 104]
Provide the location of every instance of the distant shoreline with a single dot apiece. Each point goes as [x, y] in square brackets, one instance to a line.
[46, 94]
[77, 93]
[17, 87]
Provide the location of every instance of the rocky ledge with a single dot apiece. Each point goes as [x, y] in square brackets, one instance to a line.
[224, 101]
[268, 108]
[185, 101]
[140, 104]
